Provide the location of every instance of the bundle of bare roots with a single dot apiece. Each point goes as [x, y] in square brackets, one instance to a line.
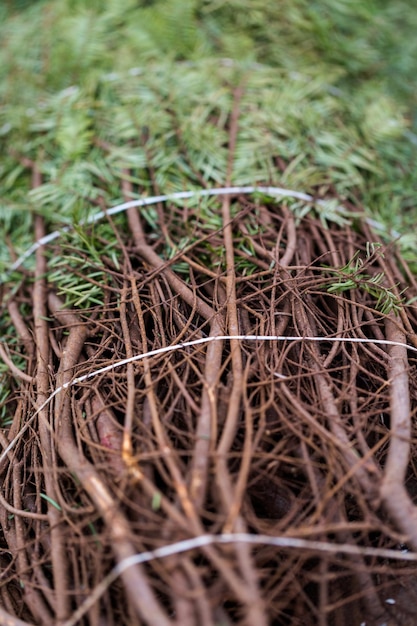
[228, 440]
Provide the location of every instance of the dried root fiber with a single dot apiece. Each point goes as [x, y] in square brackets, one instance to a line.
[267, 389]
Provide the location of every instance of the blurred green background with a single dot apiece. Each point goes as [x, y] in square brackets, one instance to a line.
[91, 89]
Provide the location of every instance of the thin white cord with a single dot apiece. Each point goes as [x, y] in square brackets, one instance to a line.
[207, 540]
[186, 344]
[180, 195]
[279, 542]
[195, 342]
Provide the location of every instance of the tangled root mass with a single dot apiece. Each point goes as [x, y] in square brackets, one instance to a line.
[296, 437]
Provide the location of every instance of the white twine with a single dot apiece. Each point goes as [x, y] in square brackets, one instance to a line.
[185, 344]
[279, 542]
[180, 195]
[195, 342]
[227, 538]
